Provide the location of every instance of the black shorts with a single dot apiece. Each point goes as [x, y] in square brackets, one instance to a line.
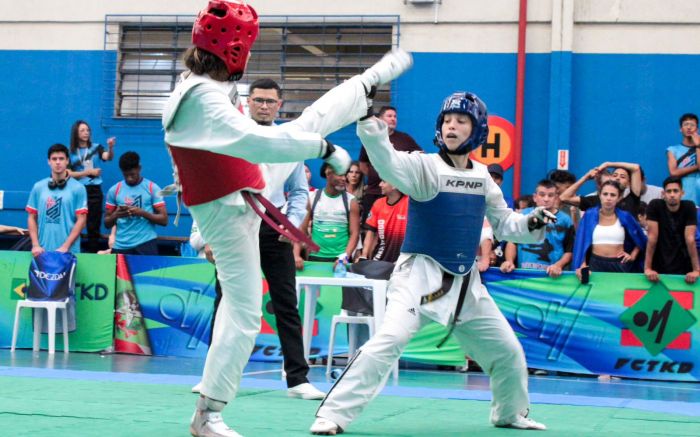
[613, 265]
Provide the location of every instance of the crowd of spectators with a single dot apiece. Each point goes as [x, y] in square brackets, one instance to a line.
[625, 225]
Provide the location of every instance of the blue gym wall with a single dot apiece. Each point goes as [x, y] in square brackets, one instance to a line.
[623, 107]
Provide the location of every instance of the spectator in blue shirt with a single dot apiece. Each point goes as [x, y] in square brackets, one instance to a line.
[135, 206]
[682, 157]
[57, 207]
[84, 156]
[553, 254]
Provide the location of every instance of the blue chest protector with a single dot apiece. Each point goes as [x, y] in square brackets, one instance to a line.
[447, 228]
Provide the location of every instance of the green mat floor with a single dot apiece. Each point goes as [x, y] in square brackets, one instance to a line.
[57, 407]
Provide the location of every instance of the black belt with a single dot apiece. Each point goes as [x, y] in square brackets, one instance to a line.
[447, 281]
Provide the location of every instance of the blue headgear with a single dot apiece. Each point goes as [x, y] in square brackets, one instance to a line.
[471, 105]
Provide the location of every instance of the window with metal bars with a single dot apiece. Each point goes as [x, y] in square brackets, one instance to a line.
[305, 55]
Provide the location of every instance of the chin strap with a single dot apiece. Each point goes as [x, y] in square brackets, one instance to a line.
[278, 221]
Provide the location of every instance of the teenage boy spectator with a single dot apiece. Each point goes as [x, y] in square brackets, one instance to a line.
[400, 141]
[555, 252]
[629, 177]
[682, 158]
[57, 207]
[563, 179]
[334, 217]
[135, 206]
[671, 230]
[386, 225]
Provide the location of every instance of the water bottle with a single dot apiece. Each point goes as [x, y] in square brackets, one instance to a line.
[340, 271]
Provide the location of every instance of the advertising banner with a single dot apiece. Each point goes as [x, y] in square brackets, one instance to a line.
[176, 300]
[94, 295]
[618, 324]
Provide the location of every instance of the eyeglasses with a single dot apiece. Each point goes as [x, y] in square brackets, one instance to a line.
[269, 102]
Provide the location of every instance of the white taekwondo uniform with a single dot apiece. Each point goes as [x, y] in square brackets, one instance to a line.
[215, 150]
[445, 219]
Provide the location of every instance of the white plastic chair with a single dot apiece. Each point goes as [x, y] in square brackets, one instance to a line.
[50, 307]
[352, 322]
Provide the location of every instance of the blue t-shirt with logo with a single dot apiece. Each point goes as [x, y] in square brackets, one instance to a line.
[686, 157]
[57, 211]
[559, 239]
[133, 231]
[86, 158]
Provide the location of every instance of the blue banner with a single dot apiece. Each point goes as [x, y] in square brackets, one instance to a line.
[618, 324]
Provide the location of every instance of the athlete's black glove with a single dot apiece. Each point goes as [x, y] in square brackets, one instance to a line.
[540, 218]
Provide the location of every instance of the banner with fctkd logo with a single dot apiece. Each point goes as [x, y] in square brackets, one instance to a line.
[619, 324]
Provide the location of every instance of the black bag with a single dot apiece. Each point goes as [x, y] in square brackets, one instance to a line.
[359, 299]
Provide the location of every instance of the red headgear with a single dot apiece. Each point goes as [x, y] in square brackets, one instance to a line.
[228, 30]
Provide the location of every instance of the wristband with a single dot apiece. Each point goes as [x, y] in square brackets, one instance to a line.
[330, 148]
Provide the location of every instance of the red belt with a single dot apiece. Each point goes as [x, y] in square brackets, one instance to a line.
[287, 229]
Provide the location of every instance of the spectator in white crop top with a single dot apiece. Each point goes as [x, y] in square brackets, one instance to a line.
[609, 239]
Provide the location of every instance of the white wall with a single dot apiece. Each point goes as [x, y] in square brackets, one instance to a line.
[488, 26]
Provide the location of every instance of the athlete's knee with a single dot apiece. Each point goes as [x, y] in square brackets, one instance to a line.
[390, 342]
[510, 357]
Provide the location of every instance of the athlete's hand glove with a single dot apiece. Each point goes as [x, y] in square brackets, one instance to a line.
[337, 158]
[540, 218]
[391, 66]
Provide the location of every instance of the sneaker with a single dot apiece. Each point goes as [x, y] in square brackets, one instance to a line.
[197, 388]
[323, 426]
[524, 423]
[208, 423]
[305, 391]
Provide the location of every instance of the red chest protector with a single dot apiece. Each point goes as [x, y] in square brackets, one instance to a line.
[207, 176]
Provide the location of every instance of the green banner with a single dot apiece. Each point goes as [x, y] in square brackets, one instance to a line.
[94, 295]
